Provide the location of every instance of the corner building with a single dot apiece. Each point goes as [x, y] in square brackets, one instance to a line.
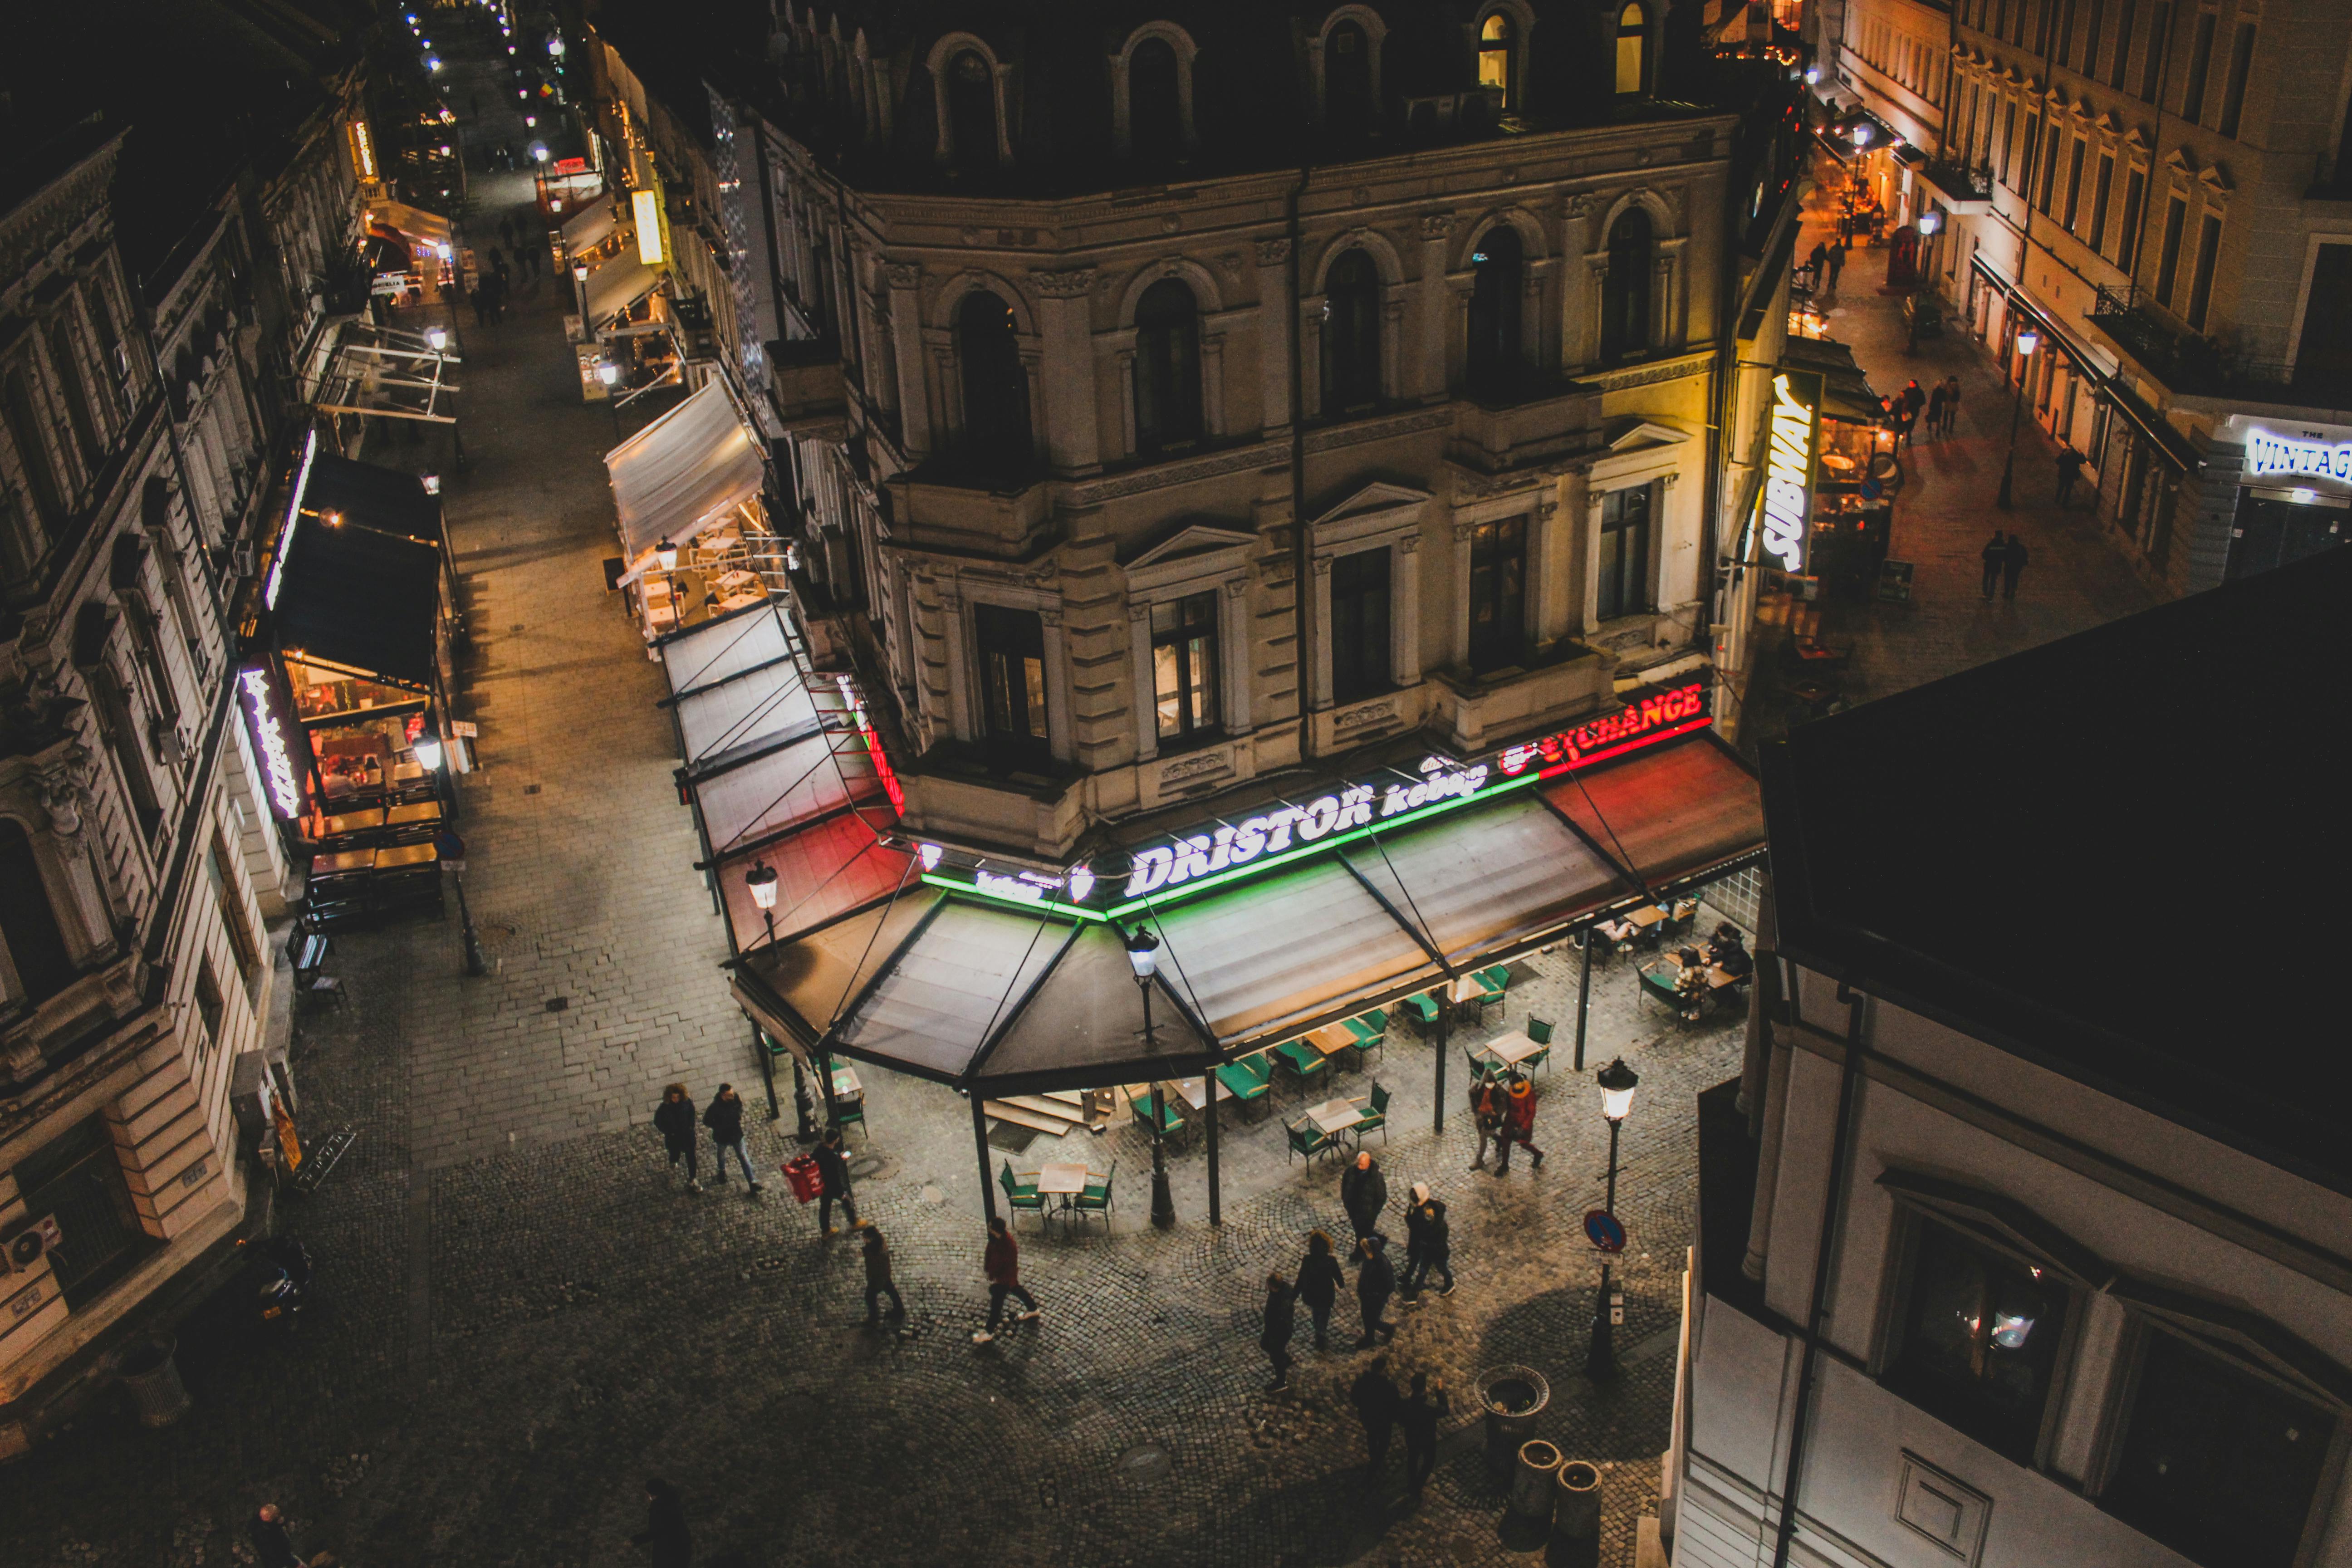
[1178, 397]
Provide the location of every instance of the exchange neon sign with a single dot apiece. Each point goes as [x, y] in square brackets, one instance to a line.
[266, 723]
[2272, 454]
[1788, 469]
[1645, 721]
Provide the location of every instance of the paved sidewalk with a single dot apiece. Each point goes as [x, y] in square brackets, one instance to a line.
[2074, 579]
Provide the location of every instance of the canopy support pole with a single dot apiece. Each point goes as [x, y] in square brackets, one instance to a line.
[1444, 1036]
[980, 1141]
[1208, 1094]
[767, 1061]
[1583, 996]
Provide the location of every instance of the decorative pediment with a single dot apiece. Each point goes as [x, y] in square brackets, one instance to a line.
[2180, 163]
[2109, 122]
[1645, 433]
[1377, 496]
[1380, 508]
[2215, 180]
[1198, 549]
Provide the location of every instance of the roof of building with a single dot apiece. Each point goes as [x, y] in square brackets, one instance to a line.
[2112, 856]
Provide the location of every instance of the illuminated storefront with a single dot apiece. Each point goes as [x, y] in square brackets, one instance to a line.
[2294, 490]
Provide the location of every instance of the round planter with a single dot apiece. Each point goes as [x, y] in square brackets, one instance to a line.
[1576, 1516]
[1512, 1397]
[1534, 1484]
[152, 1378]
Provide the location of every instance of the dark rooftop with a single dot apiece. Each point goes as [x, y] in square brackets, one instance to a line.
[2117, 856]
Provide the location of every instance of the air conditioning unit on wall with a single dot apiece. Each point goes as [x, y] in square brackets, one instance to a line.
[21, 1252]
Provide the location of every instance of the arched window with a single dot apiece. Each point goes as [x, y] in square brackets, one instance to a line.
[1167, 368]
[1496, 268]
[1495, 55]
[1625, 290]
[995, 387]
[971, 112]
[30, 941]
[25, 430]
[1347, 79]
[1351, 334]
[1632, 48]
[1155, 117]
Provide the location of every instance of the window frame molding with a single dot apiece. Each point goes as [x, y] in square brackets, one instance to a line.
[1199, 558]
[1388, 265]
[1522, 18]
[965, 594]
[1000, 73]
[1121, 63]
[1212, 319]
[1378, 516]
[1376, 32]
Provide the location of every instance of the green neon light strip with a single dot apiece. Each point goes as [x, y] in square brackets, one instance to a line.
[1155, 901]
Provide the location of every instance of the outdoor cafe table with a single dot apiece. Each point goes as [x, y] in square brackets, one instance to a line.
[346, 860]
[1189, 1090]
[1063, 1181]
[1335, 1116]
[1511, 1048]
[846, 1085]
[1338, 1040]
[351, 822]
[406, 855]
[415, 810]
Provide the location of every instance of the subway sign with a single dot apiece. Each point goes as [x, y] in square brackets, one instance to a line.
[1117, 885]
[1790, 465]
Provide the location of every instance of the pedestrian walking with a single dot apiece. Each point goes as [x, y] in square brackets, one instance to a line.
[1273, 1338]
[1486, 1111]
[674, 1119]
[271, 1545]
[2012, 563]
[1519, 1123]
[1376, 1404]
[1837, 268]
[1419, 1414]
[1817, 261]
[1318, 1284]
[1002, 1264]
[2070, 464]
[1364, 1194]
[498, 259]
[1951, 404]
[1428, 1245]
[1914, 399]
[832, 1177]
[878, 1283]
[1936, 412]
[724, 1117]
[1993, 554]
[1375, 1283]
[670, 1543]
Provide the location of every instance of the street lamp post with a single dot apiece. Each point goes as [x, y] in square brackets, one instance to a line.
[2027, 341]
[761, 879]
[1616, 1081]
[1924, 283]
[610, 374]
[1143, 953]
[579, 290]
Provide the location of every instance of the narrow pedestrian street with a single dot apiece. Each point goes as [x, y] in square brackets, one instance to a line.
[522, 1312]
[2076, 578]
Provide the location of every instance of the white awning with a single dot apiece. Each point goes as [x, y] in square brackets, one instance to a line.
[683, 473]
[620, 283]
[412, 221]
[592, 225]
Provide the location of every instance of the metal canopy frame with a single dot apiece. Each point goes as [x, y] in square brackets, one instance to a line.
[384, 372]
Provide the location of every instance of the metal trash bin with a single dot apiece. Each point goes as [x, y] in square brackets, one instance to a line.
[1536, 1484]
[153, 1379]
[1512, 1397]
[1577, 1514]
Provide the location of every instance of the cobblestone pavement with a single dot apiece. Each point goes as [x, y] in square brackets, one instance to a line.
[2076, 578]
[521, 1315]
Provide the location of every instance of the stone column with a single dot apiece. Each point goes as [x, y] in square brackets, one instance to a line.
[1439, 307]
[1317, 658]
[1404, 611]
[1393, 381]
[1146, 722]
[1541, 544]
[1234, 644]
[1060, 724]
[1213, 384]
[906, 341]
[1274, 335]
[962, 723]
[1459, 598]
[1577, 297]
[1671, 300]
[1068, 385]
[1123, 367]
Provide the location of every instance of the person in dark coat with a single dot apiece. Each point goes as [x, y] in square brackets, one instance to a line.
[1728, 952]
[2070, 464]
[1002, 1264]
[1428, 1244]
[1375, 1283]
[1520, 1122]
[674, 1119]
[724, 1117]
[1936, 411]
[878, 1283]
[832, 1177]
[2012, 565]
[1837, 268]
[1281, 1318]
[1318, 1284]
[1419, 1414]
[1951, 402]
[1376, 1404]
[1994, 553]
[670, 1542]
[1364, 1194]
[271, 1545]
[1487, 1111]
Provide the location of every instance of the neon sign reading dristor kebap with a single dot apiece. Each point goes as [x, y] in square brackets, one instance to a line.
[2272, 454]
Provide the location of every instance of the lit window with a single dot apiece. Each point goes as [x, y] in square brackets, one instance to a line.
[1633, 49]
[1976, 1340]
[1183, 665]
[1495, 55]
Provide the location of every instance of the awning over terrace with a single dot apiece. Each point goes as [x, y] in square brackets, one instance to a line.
[685, 472]
[1001, 999]
[590, 226]
[619, 283]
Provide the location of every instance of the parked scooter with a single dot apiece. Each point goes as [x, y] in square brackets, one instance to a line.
[277, 1280]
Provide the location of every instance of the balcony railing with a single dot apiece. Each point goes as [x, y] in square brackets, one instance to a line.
[1959, 181]
[2204, 367]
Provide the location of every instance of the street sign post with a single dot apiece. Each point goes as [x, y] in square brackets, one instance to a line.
[1604, 1230]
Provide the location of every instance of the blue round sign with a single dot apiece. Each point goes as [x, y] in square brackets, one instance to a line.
[1604, 1230]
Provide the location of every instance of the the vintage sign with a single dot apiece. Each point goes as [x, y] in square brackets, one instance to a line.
[1790, 465]
[270, 721]
[2269, 453]
[1226, 850]
[293, 516]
